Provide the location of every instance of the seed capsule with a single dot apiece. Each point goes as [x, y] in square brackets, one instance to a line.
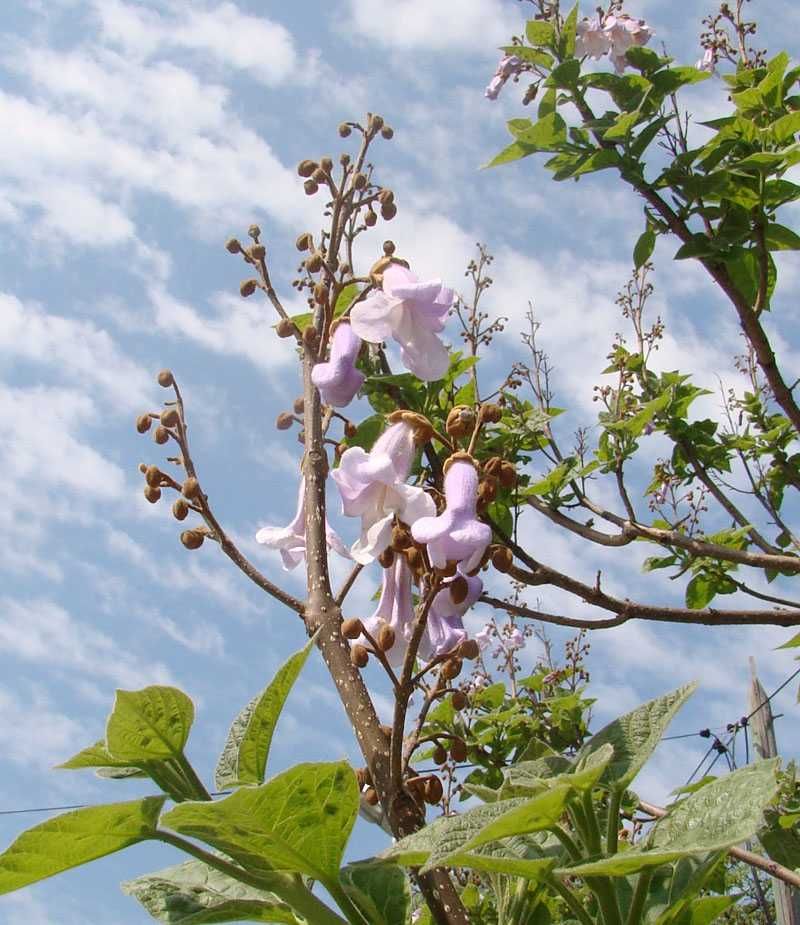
[459, 700]
[180, 509]
[310, 186]
[451, 668]
[458, 750]
[469, 649]
[502, 558]
[192, 539]
[352, 628]
[161, 435]
[143, 423]
[433, 790]
[359, 656]
[493, 414]
[190, 488]
[304, 241]
[344, 130]
[387, 132]
[439, 755]
[306, 168]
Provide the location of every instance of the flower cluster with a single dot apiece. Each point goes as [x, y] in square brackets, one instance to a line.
[611, 35]
[508, 66]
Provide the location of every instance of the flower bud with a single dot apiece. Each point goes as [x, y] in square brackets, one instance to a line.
[360, 181]
[161, 435]
[371, 796]
[388, 132]
[180, 509]
[165, 379]
[401, 538]
[359, 656]
[502, 558]
[152, 476]
[306, 168]
[344, 159]
[385, 637]
[451, 668]
[350, 430]
[492, 466]
[311, 187]
[414, 559]
[508, 475]
[487, 491]
[439, 755]
[389, 248]
[469, 649]
[388, 211]
[304, 241]
[326, 164]
[286, 328]
[492, 414]
[320, 293]
[284, 420]
[248, 287]
[233, 246]
[458, 750]
[258, 252]
[376, 122]
[352, 628]
[254, 231]
[143, 423]
[386, 558]
[459, 589]
[314, 262]
[152, 493]
[370, 218]
[385, 196]
[191, 488]
[310, 337]
[170, 417]
[460, 421]
[299, 405]
[459, 699]
[192, 539]
[433, 790]
[344, 130]
[319, 175]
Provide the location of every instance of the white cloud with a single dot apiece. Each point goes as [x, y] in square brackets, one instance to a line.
[34, 733]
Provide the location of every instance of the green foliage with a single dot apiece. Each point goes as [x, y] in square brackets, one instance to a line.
[380, 891]
[149, 725]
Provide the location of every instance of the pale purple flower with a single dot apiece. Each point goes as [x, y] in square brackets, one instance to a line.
[291, 539]
[412, 313]
[507, 67]
[514, 639]
[456, 535]
[396, 608]
[445, 630]
[591, 39]
[484, 637]
[624, 32]
[338, 380]
[708, 62]
[372, 486]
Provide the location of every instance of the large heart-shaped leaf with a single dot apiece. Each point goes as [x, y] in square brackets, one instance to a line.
[149, 725]
[382, 892]
[526, 778]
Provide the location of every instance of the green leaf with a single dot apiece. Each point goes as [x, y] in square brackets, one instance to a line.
[298, 821]
[94, 756]
[344, 299]
[554, 479]
[568, 33]
[514, 152]
[644, 247]
[522, 779]
[566, 74]
[547, 134]
[195, 894]
[786, 127]
[700, 246]
[623, 125]
[76, 838]
[644, 59]
[724, 813]
[793, 643]
[529, 55]
[634, 426]
[149, 725]
[635, 735]
[780, 238]
[244, 757]
[539, 32]
[382, 892]
[700, 591]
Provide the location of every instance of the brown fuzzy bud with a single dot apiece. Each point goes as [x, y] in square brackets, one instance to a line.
[326, 164]
[142, 468]
[304, 241]
[258, 252]
[502, 558]
[422, 427]
[170, 417]
[439, 755]
[286, 328]
[508, 475]
[284, 420]
[460, 421]
[370, 218]
[352, 628]
[416, 787]
[191, 488]
[359, 656]
[459, 589]
[152, 475]
[233, 246]
[152, 493]
[458, 750]
[360, 181]
[371, 796]
[344, 130]
[310, 186]
[492, 414]
[248, 287]
[306, 168]
[313, 262]
[299, 405]
[180, 509]
[385, 637]
[401, 538]
[192, 539]
[386, 558]
[143, 423]
[487, 491]
[254, 232]
[388, 211]
[165, 378]
[451, 668]
[459, 700]
[387, 132]
[310, 337]
[469, 649]
[350, 430]
[320, 293]
[433, 790]
[161, 435]
[385, 196]
[376, 122]
[493, 466]
[389, 248]
[414, 559]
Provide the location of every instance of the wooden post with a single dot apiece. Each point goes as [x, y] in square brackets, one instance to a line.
[762, 733]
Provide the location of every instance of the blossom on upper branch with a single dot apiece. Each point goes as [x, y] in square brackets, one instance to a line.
[456, 535]
[372, 486]
[624, 32]
[591, 39]
[508, 66]
[445, 630]
[412, 313]
[338, 380]
[291, 539]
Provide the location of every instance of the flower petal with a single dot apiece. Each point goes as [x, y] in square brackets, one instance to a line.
[371, 319]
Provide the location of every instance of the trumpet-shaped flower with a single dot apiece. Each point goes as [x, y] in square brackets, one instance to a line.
[456, 535]
[291, 539]
[708, 62]
[508, 66]
[396, 608]
[624, 32]
[412, 313]
[372, 486]
[338, 380]
[445, 629]
[591, 39]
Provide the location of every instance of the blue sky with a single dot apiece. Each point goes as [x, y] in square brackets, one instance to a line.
[137, 137]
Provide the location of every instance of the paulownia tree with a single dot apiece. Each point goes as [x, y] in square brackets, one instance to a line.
[439, 473]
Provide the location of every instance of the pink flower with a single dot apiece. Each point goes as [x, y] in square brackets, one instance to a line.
[507, 67]
[291, 539]
[456, 535]
[412, 313]
[396, 608]
[372, 486]
[623, 31]
[484, 637]
[445, 629]
[591, 39]
[514, 639]
[708, 62]
[338, 380]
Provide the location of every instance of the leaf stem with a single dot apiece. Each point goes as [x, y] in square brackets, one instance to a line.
[639, 897]
[612, 823]
[571, 900]
[568, 842]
